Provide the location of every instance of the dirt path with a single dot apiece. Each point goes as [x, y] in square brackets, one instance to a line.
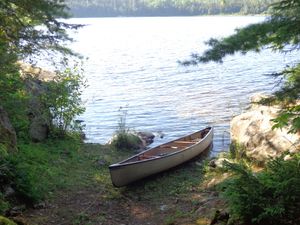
[87, 207]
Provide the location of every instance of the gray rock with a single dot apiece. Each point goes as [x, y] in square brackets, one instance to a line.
[218, 162]
[39, 129]
[253, 130]
[8, 136]
[17, 210]
[147, 138]
[38, 113]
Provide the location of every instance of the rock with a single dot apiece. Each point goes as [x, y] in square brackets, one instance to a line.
[220, 218]
[17, 210]
[255, 99]
[163, 207]
[39, 121]
[287, 157]
[253, 130]
[101, 162]
[38, 129]
[8, 136]
[147, 138]
[218, 163]
[36, 72]
[40, 205]
[9, 191]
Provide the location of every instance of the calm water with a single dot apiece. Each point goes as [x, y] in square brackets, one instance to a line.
[133, 64]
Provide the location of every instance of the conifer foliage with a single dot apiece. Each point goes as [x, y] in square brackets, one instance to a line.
[279, 32]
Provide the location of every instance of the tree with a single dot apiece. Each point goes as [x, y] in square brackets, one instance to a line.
[29, 29]
[279, 32]
[19, 26]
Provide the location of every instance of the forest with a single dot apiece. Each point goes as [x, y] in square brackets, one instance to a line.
[111, 8]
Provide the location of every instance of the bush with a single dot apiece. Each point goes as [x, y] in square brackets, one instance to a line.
[63, 98]
[126, 141]
[269, 197]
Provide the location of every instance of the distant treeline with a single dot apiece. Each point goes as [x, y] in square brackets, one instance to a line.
[103, 8]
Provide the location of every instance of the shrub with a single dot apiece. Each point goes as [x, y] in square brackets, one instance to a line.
[269, 197]
[5, 177]
[124, 139]
[63, 98]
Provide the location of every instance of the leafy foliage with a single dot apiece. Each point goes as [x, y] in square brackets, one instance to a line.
[268, 197]
[29, 29]
[36, 170]
[63, 98]
[19, 20]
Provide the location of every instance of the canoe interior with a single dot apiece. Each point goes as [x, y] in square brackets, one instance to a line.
[170, 147]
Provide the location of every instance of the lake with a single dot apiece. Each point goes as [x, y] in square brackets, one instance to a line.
[133, 64]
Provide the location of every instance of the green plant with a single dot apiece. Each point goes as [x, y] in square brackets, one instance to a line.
[4, 205]
[269, 197]
[39, 168]
[6, 221]
[124, 139]
[63, 98]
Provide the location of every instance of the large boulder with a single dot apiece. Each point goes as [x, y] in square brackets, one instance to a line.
[8, 137]
[38, 113]
[253, 130]
[35, 80]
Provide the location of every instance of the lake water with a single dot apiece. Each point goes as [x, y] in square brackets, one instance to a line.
[132, 63]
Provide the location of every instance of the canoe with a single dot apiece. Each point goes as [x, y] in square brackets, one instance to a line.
[160, 158]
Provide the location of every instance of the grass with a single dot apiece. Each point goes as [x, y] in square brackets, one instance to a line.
[74, 178]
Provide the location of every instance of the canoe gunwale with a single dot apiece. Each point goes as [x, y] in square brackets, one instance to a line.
[124, 164]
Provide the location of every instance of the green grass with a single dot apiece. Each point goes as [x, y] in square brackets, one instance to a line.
[46, 171]
[43, 168]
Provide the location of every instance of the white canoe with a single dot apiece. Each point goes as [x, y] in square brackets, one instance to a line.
[160, 158]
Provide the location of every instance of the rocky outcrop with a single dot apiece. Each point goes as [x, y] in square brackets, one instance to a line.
[37, 111]
[35, 79]
[253, 130]
[8, 138]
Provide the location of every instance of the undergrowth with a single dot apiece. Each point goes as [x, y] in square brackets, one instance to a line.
[269, 197]
[36, 170]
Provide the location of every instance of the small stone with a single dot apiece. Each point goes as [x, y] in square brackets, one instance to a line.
[17, 210]
[287, 157]
[40, 205]
[101, 162]
[163, 207]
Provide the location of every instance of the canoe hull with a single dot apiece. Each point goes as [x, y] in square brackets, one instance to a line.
[123, 174]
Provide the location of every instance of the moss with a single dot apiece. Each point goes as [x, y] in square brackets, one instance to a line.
[6, 221]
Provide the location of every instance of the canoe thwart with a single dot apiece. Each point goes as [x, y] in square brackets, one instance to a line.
[143, 157]
[185, 142]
